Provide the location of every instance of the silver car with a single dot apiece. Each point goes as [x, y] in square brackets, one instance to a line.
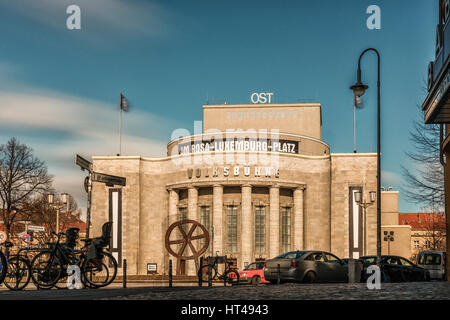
[306, 266]
[434, 262]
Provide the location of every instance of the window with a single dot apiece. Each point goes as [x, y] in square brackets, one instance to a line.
[182, 215]
[332, 259]
[286, 228]
[316, 256]
[416, 244]
[205, 220]
[430, 259]
[232, 229]
[260, 229]
[405, 262]
[428, 244]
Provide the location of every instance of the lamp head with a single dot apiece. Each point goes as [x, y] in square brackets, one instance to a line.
[358, 196]
[358, 91]
[64, 197]
[373, 195]
[50, 198]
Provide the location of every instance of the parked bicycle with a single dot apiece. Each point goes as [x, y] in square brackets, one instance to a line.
[3, 261]
[18, 273]
[229, 275]
[98, 268]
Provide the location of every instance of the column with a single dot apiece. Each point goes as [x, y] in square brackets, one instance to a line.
[217, 219]
[173, 206]
[274, 222]
[298, 219]
[247, 232]
[191, 215]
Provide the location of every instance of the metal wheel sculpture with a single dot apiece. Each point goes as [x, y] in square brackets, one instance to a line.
[187, 239]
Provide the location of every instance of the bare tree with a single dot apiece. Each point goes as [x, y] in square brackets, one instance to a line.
[22, 177]
[434, 231]
[38, 212]
[424, 184]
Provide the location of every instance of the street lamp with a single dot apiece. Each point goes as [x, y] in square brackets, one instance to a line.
[358, 90]
[389, 237]
[363, 204]
[58, 206]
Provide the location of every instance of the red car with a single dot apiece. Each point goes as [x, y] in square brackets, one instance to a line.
[253, 273]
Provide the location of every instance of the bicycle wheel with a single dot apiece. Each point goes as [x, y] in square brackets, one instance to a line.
[19, 273]
[45, 269]
[3, 266]
[100, 272]
[232, 277]
[204, 273]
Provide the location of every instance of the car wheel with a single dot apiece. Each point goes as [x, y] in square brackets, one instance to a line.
[256, 280]
[310, 277]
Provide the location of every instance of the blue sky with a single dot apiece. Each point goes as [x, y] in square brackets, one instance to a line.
[60, 88]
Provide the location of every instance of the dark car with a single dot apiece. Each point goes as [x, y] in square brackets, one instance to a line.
[306, 266]
[395, 269]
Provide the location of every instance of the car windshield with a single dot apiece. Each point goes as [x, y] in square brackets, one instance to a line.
[430, 259]
[291, 255]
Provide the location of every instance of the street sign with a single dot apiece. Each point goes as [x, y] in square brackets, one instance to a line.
[83, 163]
[25, 237]
[36, 228]
[152, 268]
[109, 180]
[3, 237]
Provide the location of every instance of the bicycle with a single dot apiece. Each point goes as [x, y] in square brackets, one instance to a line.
[229, 275]
[3, 261]
[50, 265]
[18, 273]
[96, 268]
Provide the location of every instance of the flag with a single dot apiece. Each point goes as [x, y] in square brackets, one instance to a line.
[123, 103]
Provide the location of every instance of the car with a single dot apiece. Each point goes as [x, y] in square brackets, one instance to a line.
[253, 274]
[306, 266]
[395, 269]
[435, 262]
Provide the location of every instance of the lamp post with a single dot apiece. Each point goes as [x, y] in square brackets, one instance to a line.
[359, 89]
[389, 237]
[363, 204]
[57, 205]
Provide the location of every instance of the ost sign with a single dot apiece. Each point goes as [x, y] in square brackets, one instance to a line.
[264, 97]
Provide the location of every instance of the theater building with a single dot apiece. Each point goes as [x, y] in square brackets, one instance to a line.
[257, 176]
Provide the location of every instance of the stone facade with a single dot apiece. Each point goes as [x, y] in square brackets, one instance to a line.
[255, 203]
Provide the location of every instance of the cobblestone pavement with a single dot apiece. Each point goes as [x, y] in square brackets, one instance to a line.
[389, 291]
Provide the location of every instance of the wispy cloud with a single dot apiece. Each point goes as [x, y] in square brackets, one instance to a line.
[57, 126]
[99, 18]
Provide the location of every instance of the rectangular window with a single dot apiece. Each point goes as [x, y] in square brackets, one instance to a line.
[260, 229]
[182, 215]
[416, 244]
[205, 220]
[232, 240]
[286, 228]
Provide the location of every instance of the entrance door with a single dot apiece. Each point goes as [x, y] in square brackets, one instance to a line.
[182, 267]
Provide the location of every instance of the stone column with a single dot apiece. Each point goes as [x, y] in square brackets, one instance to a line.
[247, 232]
[217, 220]
[298, 219]
[192, 215]
[274, 222]
[173, 206]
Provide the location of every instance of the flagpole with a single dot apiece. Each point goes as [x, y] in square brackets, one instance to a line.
[120, 126]
[120, 133]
